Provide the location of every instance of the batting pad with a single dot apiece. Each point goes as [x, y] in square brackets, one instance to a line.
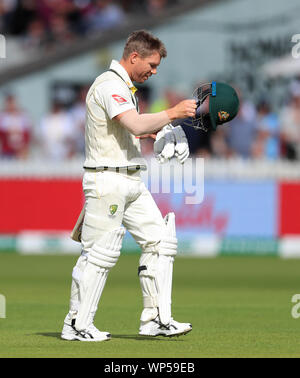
[103, 256]
[76, 278]
[156, 275]
[147, 273]
[106, 251]
[164, 274]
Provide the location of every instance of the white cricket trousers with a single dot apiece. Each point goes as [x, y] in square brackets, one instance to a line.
[113, 199]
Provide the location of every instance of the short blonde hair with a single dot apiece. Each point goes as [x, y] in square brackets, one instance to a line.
[144, 43]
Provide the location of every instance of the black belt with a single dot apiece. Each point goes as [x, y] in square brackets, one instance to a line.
[130, 168]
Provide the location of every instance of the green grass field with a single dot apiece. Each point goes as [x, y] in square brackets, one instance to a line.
[239, 307]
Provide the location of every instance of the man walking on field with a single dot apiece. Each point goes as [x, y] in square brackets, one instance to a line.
[115, 195]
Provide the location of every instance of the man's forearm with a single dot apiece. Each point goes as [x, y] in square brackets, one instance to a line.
[140, 124]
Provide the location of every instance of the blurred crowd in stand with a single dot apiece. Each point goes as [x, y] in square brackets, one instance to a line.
[257, 132]
[59, 135]
[44, 23]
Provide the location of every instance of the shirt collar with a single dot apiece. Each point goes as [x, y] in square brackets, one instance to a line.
[123, 73]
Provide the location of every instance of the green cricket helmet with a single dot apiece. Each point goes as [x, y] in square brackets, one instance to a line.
[223, 106]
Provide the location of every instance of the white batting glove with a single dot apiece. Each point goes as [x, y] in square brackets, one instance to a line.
[182, 150]
[171, 141]
[164, 145]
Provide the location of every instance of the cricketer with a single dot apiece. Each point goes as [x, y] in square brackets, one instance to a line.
[116, 198]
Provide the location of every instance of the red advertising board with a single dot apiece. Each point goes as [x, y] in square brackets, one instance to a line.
[289, 208]
[54, 205]
[37, 204]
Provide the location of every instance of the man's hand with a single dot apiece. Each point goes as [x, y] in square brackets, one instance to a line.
[184, 109]
[171, 141]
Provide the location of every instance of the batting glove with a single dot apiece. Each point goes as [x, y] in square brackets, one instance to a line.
[182, 151]
[171, 141]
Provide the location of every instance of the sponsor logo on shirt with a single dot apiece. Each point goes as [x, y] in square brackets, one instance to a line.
[119, 99]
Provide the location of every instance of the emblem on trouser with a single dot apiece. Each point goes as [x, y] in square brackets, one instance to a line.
[113, 209]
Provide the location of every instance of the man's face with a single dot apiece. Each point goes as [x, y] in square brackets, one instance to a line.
[145, 67]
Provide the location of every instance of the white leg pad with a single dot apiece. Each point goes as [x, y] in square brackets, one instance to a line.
[147, 273]
[105, 252]
[91, 288]
[76, 278]
[164, 276]
[102, 257]
[156, 275]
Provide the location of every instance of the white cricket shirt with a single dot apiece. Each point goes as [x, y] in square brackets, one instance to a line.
[107, 142]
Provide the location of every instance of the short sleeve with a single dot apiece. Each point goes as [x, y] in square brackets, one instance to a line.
[114, 97]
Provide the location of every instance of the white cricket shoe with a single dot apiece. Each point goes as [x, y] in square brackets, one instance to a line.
[90, 334]
[156, 328]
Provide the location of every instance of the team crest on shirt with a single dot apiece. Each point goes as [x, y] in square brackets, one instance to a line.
[119, 99]
[113, 209]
